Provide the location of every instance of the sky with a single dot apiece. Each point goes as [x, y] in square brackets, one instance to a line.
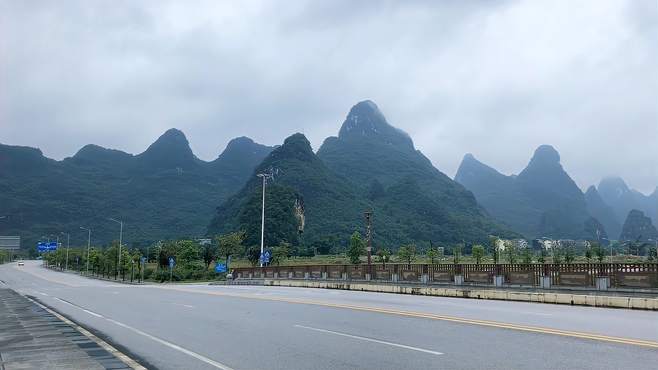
[492, 78]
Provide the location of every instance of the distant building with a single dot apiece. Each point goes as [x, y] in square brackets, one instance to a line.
[204, 241]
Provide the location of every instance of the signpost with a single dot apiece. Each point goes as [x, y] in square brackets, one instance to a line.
[143, 259]
[172, 263]
[265, 258]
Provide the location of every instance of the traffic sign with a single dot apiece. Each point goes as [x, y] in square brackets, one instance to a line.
[143, 259]
[265, 257]
[45, 247]
[220, 267]
[172, 263]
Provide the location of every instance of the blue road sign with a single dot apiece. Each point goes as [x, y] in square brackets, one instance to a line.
[143, 259]
[220, 267]
[265, 257]
[45, 247]
[172, 263]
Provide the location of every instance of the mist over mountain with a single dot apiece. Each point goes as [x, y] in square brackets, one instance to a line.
[542, 201]
[622, 199]
[371, 165]
[602, 212]
[638, 227]
[164, 192]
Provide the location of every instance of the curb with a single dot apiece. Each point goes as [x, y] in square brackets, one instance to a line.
[637, 303]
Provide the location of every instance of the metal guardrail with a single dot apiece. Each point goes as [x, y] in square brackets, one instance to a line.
[588, 275]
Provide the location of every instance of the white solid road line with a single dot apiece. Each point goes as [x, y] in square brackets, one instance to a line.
[154, 338]
[370, 340]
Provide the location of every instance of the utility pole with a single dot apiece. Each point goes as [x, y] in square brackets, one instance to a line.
[120, 222]
[88, 246]
[68, 246]
[368, 215]
[264, 176]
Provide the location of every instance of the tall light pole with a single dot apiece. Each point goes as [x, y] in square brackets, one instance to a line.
[88, 246]
[120, 240]
[264, 176]
[68, 246]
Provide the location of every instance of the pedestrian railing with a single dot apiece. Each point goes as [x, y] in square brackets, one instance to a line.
[569, 275]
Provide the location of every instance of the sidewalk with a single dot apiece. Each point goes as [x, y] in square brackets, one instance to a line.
[33, 338]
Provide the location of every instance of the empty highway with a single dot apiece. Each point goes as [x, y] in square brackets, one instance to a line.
[245, 327]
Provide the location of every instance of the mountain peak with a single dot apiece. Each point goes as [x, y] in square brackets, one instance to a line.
[546, 154]
[92, 153]
[298, 141]
[366, 121]
[241, 146]
[170, 150]
[613, 183]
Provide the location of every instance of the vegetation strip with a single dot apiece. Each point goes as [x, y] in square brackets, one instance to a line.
[502, 325]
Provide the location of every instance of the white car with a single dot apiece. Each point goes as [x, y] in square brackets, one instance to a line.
[21, 263]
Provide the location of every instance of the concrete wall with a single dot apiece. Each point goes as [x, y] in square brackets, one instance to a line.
[506, 295]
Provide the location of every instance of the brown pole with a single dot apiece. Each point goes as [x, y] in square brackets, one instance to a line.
[368, 215]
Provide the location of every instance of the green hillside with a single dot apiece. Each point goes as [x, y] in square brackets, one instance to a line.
[164, 192]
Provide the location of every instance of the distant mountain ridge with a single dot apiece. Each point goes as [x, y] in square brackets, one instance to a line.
[622, 199]
[163, 192]
[638, 227]
[597, 207]
[371, 165]
[542, 201]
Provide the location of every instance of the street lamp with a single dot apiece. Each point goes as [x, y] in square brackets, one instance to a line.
[68, 245]
[264, 176]
[88, 246]
[120, 222]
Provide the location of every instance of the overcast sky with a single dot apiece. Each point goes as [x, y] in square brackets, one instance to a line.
[496, 79]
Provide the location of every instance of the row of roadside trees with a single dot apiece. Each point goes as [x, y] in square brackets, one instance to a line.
[497, 251]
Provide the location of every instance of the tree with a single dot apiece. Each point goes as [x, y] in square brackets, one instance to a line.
[557, 255]
[187, 252]
[477, 252]
[407, 253]
[510, 251]
[493, 244]
[456, 253]
[231, 244]
[588, 254]
[600, 253]
[383, 255]
[527, 256]
[652, 254]
[356, 249]
[569, 255]
[432, 254]
[542, 255]
[209, 254]
[253, 255]
[279, 253]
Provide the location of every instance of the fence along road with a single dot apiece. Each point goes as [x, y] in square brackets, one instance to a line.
[205, 327]
[600, 276]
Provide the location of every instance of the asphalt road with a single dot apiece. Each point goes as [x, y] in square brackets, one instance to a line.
[243, 327]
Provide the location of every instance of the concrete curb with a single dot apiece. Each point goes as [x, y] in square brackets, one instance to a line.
[638, 303]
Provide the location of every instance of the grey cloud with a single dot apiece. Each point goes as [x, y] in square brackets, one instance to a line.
[493, 78]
